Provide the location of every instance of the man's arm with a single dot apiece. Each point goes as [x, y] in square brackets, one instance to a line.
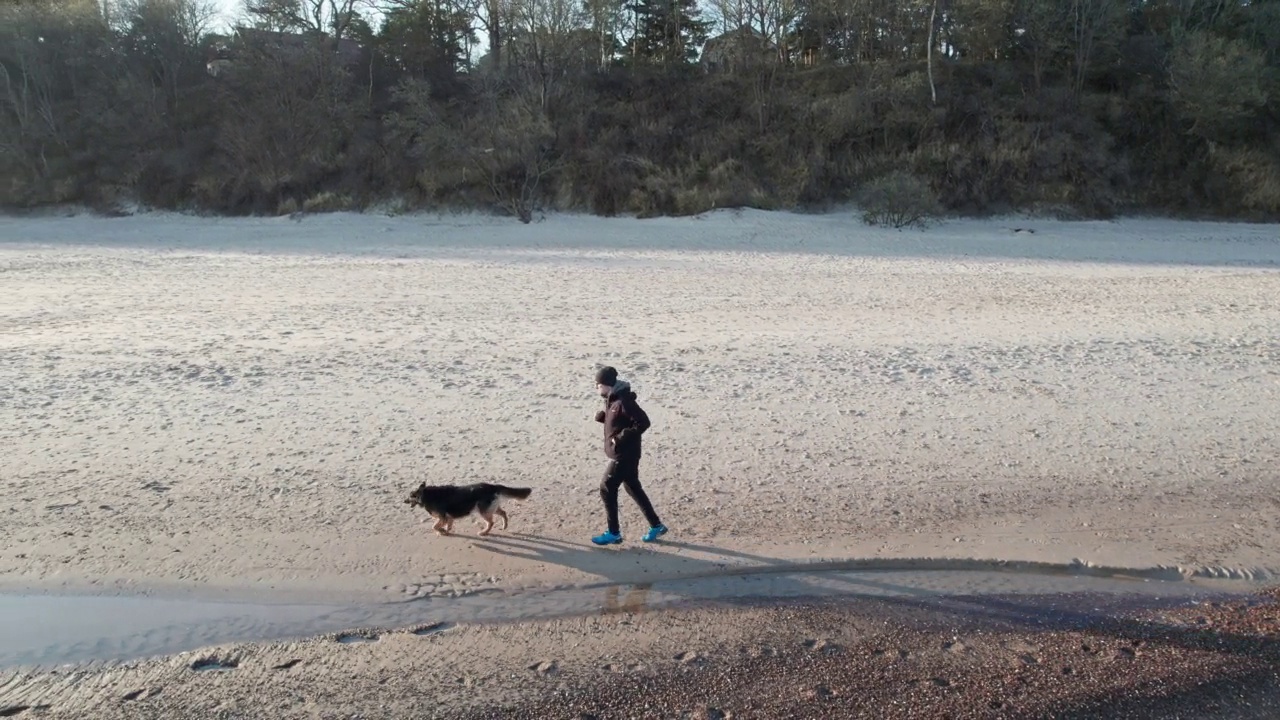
[638, 416]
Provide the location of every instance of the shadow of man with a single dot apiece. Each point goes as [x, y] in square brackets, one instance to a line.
[724, 576]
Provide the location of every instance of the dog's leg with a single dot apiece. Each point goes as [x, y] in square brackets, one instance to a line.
[502, 514]
[488, 522]
[440, 527]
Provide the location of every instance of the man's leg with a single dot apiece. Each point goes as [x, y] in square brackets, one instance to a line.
[609, 494]
[631, 481]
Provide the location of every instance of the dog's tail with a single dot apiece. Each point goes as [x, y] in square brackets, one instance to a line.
[513, 492]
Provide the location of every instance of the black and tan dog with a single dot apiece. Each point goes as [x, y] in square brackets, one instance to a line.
[447, 503]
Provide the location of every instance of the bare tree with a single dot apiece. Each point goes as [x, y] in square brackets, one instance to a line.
[494, 18]
[933, 28]
[440, 10]
[762, 91]
[773, 19]
[730, 15]
[331, 17]
[165, 36]
[504, 147]
[550, 41]
[1203, 13]
[1039, 26]
[607, 20]
[1092, 22]
[513, 147]
[288, 116]
[47, 77]
[1218, 85]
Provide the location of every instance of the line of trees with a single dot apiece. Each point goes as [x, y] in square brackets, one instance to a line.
[1080, 107]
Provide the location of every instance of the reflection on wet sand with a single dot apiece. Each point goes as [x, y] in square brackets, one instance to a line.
[633, 602]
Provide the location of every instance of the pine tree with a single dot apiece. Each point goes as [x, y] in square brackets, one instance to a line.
[668, 32]
[426, 39]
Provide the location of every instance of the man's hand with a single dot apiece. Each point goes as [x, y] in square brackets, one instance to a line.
[599, 416]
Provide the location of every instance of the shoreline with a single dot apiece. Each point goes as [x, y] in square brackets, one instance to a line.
[1014, 241]
[392, 207]
[151, 630]
[520, 561]
[240, 593]
[804, 656]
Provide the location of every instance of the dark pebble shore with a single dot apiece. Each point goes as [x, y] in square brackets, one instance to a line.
[981, 657]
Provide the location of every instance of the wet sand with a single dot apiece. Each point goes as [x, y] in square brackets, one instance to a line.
[50, 630]
[995, 656]
[1061, 657]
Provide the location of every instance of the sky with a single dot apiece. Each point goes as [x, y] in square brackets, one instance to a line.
[228, 10]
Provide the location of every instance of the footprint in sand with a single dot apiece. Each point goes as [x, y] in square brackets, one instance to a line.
[286, 664]
[546, 667]
[690, 657]
[822, 646]
[356, 637]
[1024, 652]
[11, 710]
[821, 692]
[213, 664]
[432, 629]
[955, 647]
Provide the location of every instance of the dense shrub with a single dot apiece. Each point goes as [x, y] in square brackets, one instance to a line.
[898, 200]
[1165, 109]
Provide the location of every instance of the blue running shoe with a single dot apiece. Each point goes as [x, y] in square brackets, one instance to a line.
[655, 533]
[607, 538]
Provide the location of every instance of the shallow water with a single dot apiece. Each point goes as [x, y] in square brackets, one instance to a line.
[44, 630]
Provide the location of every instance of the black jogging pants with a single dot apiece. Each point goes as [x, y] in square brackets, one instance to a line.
[627, 474]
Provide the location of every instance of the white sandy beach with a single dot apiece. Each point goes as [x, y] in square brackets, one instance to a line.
[236, 407]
